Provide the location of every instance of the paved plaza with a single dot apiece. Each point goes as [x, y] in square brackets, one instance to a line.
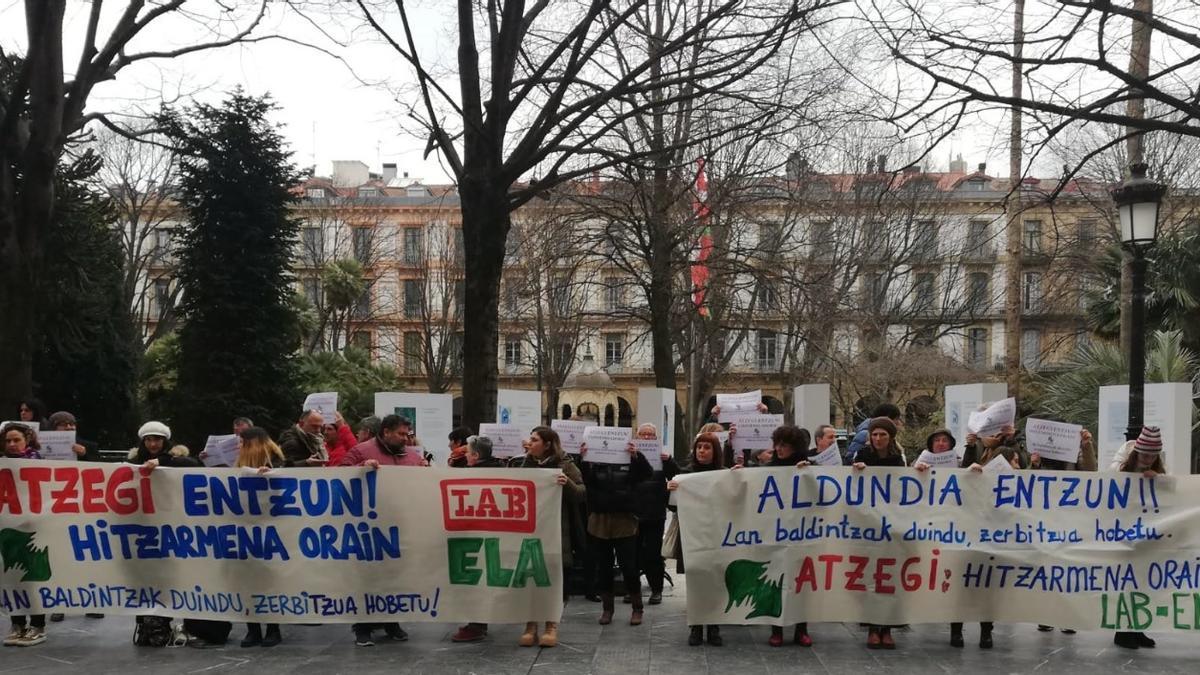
[102, 646]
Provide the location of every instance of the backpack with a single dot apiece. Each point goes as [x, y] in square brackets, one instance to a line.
[152, 631]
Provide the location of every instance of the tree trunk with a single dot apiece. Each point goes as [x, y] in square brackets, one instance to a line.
[486, 222]
[1012, 286]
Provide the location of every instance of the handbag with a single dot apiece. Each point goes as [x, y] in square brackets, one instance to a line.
[670, 546]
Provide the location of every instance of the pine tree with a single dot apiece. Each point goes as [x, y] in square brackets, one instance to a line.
[239, 334]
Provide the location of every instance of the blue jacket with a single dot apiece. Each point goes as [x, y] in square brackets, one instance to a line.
[858, 442]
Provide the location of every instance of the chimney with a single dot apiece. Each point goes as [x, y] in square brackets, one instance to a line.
[870, 166]
[958, 165]
[389, 172]
[881, 163]
[983, 167]
[797, 166]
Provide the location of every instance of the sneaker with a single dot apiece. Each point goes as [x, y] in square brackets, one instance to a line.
[33, 636]
[1068, 631]
[396, 633]
[94, 615]
[656, 598]
[1043, 628]
[362, 638]
[468, 633]
[15, 636]
[1145, 641]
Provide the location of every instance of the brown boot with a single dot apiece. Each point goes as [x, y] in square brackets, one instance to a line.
[607, 608]
[550, 637]
[635, 619]
[529, 637]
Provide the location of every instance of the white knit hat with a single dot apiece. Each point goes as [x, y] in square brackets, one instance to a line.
[154, 429]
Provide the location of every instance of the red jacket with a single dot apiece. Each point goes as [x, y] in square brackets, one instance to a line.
[345, 442]
[371, 449]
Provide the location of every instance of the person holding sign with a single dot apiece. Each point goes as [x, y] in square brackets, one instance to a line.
[1145, 458]
[259, 452]
[545, 451]
[652, 519]
[612, 526]
[302, 444]
[20, 442]
[85, 451]
[881, 450]
[339, 439]
[980, 451]
[705, 456]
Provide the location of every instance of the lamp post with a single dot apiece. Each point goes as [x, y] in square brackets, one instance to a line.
[1138, 200]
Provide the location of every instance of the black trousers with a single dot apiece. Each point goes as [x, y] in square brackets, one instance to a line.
[625, 551]
[36, 620]
[650, 560]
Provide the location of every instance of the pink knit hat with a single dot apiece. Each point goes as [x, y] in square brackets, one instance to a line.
[1149, 441]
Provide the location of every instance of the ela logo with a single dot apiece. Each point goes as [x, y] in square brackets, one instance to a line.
[746, 582]
[463, 556]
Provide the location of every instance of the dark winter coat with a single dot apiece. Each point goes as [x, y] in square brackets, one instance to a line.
[611, 487]
[298, 445]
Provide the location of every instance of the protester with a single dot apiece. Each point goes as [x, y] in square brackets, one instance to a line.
[651, 501]
[259, 452]
[241, 424]
[824, 436]
[338, 439]
[789, 447]
[1144, 458]
[860, 441]
[980, 451]
[1084, 461]
[33, 411]
[545, 451]
[368, 428]
[704, 457]
[85, 451]
[389, 447]
[302, 444]
[20, 442]
[458, 447]
[881, 450]
[478, 455]
[714, 427]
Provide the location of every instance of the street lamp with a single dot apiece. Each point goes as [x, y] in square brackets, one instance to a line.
[1138, 200]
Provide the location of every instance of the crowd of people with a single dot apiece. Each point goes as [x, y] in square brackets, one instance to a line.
[614, 516]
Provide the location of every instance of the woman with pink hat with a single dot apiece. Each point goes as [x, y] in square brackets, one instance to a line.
[1145, 457]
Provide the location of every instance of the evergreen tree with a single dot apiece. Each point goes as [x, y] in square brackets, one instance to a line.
[239, 332]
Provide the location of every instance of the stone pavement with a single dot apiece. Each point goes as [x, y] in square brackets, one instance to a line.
[102, 646]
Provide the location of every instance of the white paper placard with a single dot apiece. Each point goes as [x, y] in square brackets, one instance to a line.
[831, 456]
[324, 402]
[650, 449]
[995, 417]
[998, 465]
[570, 433]
[57, 445]
[733, 405]
[948, 459]
[1052, 440]
[506, 439]
[222, 450]
[657, 406]
[522, 409]
[432, 416]
[606, 445]
[754, 431]
[962, 400]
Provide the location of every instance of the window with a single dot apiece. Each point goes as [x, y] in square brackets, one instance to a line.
[1085, 293]
[362, 308]
[614, 294]
[361, 238]
[973, 185]
[314, 244]
[412, 297]
[977, 348]
[564, 352]
[413, 351]
[1031, 292]
[765, 297]
[924, 240]
[923, 292]
[512, 350]
[821, 238]
[162, 297]
[614, 349]
[1031, 349]
[978, 298]
[977, 245]
[876, 291]
[315, 193]
[361, 339]
[162, 243]
[1087, 234]
[768, 344]
[1032, 241]
[769, 237]
[511, 296]
[414, 245]
[368, 192]
[460, 296]
[925, 336]
[456, 353]
[458, 246]
[560, 293]
[312, 290]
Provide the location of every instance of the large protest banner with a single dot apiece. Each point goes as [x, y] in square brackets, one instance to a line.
[893, 546]
[313, 546]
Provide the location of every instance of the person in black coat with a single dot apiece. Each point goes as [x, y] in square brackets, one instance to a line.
[651, 495]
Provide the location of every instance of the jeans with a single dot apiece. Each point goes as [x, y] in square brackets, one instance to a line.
[650, 560]
[625, 550]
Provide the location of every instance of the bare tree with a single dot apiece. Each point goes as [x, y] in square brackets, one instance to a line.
[541, 96]
[42, 110]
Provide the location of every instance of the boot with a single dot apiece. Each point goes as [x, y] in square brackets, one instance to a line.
[635, 619]
[529, 637]
[272, 637]
[1126, 640]
[801, 636]
[696, 636]
[714, 636]
[1145, 641]
[956, 638]
[254, 636]
[550, 637]
[985, 635]
[606, 609]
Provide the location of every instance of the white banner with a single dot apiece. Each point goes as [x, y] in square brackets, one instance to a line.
[606, 445]
[507, 440]
[942, 460]
[733, 405]
[892, 546]
[325, 403]
[995, 417]
[754, 431]
[221, 450]
[570, 434]
[1053, 440]
[294, 546]
[57, 445]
